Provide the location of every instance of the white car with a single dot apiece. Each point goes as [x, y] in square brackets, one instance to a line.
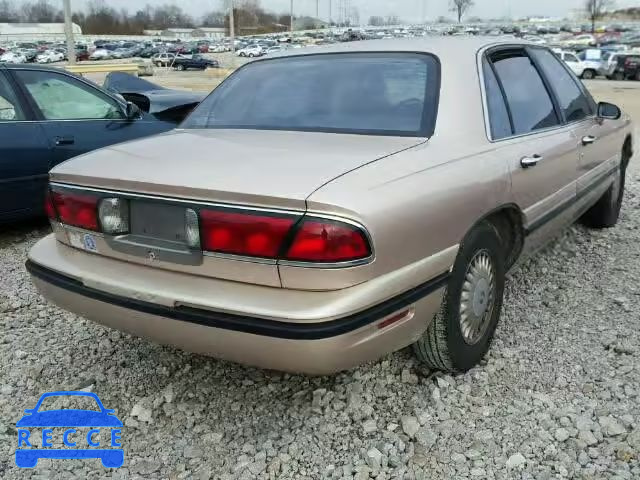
[100, 54]
[586, 70]
[251, 51]
[49, 56]
[13, 57]
[584, 40]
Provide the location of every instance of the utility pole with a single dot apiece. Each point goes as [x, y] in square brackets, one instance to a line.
[330, 18]
[232, 28]
[68, 33]
[291, 12]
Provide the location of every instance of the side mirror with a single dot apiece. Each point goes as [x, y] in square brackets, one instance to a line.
[132, 111]
[608, 111]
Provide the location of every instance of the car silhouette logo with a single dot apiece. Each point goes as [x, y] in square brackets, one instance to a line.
[27, 456]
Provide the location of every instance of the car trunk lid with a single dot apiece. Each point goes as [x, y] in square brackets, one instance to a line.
[257, 167]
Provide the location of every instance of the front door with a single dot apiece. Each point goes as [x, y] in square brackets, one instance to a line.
[77, 117]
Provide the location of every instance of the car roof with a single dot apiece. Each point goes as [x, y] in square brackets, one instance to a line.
[441, 46]
[31, 66]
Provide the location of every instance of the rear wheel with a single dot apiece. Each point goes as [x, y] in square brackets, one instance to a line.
[588, 74]
[461, 332]
[180, 68]
[606, 212]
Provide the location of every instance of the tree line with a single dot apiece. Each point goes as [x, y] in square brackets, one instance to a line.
[99, 18]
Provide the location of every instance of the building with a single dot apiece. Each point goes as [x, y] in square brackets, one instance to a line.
[34, 31]
[211, 33]
[177, 32]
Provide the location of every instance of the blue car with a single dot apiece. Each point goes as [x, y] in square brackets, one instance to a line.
[71, 418]
[48, 115]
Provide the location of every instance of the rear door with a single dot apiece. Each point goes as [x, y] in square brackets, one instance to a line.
[77, 117]
[528, 126]
[24, 155]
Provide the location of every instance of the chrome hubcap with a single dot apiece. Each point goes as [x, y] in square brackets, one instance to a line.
[478, 298]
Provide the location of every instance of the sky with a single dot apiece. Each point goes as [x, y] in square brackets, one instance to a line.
[410, 10]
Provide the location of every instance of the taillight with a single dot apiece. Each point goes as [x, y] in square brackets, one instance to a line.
[49, 208]
[327, 241]
[247, 234]
[76, 210]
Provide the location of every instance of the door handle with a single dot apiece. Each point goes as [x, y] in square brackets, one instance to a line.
[65, 141]
[529, 162]
[588, 140]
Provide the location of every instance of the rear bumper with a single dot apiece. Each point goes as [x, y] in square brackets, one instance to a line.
[315, 346]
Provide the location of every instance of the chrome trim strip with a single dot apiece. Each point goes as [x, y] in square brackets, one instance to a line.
[125, 194]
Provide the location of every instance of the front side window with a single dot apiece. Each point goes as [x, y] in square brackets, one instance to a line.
[10, 109]
[572, 102]
[569, 57]
[376, 94]
[527, 97]
[60, 97]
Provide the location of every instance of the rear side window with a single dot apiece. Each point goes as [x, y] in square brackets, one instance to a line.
[10, 109]
[572, 101]
[498, 113]
[527, 97]
[367, 93]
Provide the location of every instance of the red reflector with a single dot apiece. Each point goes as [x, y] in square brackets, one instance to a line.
[328, 241]
[48, 206]
[254, 235]
[395, 319]
[76, 210]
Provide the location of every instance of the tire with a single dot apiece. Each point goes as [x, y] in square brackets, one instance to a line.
[444, 346]
[637, 76]
[618, 76]
[588, 74]
[180, 68]
[251, 55]
[606, 212]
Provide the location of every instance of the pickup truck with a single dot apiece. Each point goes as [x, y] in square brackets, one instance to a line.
[195, 61]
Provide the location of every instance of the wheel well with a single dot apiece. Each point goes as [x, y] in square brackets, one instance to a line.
[508, 223]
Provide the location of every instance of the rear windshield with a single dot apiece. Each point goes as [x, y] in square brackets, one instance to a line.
[374, 94]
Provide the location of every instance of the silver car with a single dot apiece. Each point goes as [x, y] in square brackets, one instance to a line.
[323, 208]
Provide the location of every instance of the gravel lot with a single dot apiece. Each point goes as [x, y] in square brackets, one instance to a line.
[558, 396]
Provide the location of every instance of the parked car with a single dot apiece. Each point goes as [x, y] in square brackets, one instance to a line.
[381, 208]
[163, 59]
[50, 56]
[586, 69]
[47, 116]
[197, 62]
[632, 67]
[251, 51]
[101, 54]
[13, 57]
[589, 64]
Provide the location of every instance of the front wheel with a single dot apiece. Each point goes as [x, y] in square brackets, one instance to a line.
[588, 74]
[180, 68]
[461, 332]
